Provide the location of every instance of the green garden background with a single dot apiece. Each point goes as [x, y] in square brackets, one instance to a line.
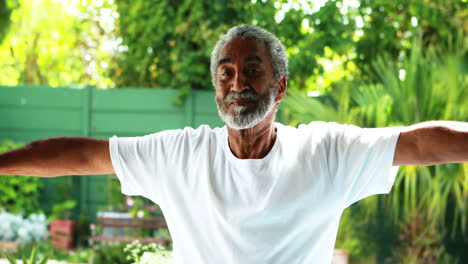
[128, 68]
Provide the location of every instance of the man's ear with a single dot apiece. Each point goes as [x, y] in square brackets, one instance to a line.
[280, 89]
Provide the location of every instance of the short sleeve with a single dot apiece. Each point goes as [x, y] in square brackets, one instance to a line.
[360, 160]
[141, 163]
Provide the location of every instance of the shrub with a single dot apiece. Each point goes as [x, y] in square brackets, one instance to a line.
[80, 256]
[105, 253]
[22, 230]
[32, 259]
[152, 253]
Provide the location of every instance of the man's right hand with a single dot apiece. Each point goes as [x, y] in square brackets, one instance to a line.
[58, 156]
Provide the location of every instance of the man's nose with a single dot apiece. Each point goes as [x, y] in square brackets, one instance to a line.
[240, 84]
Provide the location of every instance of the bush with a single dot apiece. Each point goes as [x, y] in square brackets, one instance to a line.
[46, 248]
[32, 258]
[80, 256]
[133, 253]
[22, 230]
[152, 253]
[105, 253]
[19, 194]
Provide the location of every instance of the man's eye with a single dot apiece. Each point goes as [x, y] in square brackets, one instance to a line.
[252, 71]
[226, 73]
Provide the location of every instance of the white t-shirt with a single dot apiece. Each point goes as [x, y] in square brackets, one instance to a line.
[284, 208]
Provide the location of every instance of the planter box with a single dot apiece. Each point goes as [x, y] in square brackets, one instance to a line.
[62, 232]
[9, 247]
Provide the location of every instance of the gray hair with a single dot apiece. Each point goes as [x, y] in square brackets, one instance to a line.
[279, 58]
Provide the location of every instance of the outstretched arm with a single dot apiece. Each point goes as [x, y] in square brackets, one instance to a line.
[433, 142]
[58, 157]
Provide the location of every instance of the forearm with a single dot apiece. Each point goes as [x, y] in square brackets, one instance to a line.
[46, 158]
[438, 142]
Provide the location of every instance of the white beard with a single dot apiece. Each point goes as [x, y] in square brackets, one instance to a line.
[241, 120]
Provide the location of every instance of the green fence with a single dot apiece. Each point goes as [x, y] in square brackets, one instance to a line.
[29, 113]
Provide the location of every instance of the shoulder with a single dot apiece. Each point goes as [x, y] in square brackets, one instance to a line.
[202, 135]
[305, 135]
[333, 134]
[319, 133]
[315, 127]
[201, 131]
[337, 131]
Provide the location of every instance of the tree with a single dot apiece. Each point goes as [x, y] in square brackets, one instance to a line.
[5, 13]
[169, 42]
[390, 26]
[56, 44]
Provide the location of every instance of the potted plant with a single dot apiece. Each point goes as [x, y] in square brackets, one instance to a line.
[62, 227]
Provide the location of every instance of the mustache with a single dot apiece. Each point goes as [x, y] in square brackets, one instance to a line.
[245, 94]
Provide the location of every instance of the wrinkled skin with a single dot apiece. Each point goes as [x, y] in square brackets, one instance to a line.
[247, 95]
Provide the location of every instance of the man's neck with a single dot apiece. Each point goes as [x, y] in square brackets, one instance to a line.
[255, 142]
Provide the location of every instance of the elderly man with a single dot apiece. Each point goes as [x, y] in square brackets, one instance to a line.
[253, 191]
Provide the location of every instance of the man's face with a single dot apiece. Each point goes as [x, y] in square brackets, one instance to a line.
[245, 85]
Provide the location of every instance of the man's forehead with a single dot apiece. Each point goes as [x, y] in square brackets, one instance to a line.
[247, 59]
[247, 50]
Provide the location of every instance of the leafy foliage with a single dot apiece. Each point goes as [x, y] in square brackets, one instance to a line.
[109, 253]
[421, 242]
[33, 258]
[46, 248]
[153, 253]
[434, 87]
[390, 26]
[62, 210]
[169, 43]
[5, 13]
[426, 85]
[53, 45]
[174, 37]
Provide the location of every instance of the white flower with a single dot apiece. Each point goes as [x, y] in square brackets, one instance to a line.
[140, 214]
[15, 228]
[8, 235]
